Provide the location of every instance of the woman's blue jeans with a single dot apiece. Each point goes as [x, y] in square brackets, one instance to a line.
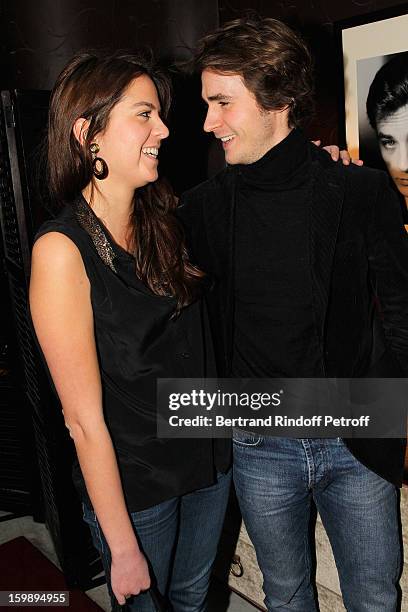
[179, 537]
[276, 480]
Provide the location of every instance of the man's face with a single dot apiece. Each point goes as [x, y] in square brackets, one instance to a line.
[393, 139]
[233, 115]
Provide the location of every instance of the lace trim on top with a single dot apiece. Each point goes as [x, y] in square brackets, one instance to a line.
[89, 222]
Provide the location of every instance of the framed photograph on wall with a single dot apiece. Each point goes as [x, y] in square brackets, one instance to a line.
[374, 112]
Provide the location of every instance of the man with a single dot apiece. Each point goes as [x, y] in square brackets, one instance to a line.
[387, 110]
[295, 244]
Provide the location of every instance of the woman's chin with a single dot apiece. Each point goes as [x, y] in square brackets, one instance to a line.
[142, 182]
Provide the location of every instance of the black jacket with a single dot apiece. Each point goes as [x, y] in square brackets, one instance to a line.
[358, 256]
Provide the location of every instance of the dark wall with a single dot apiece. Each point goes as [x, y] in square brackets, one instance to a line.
[314, 19]
[37, 39]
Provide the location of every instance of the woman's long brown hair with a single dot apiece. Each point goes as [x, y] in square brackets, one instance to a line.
[89, 87]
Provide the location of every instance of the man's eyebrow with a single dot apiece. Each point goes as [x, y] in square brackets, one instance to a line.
[219, 98]
[382, 135]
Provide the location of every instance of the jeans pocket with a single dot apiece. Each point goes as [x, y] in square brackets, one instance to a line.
[246, 438]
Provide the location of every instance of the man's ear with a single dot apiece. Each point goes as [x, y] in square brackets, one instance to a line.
[80, 129]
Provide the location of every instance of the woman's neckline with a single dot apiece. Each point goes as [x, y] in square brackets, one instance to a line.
[117, 247]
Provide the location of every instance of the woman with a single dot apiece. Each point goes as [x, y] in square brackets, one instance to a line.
[114, 303]
[387, 109]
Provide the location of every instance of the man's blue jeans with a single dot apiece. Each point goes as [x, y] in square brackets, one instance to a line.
[276, 480]
[179, 537]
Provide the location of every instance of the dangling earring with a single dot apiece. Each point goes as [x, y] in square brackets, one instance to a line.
[99, 165]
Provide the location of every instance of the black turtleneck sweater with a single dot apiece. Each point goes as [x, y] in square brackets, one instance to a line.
[274, 327]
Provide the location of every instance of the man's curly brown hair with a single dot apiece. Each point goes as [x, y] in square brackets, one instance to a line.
[274, 62]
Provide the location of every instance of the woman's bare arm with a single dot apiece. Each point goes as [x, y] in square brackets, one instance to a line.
[63, 320]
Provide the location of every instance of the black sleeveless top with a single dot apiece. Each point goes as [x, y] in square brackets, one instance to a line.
[137, 342]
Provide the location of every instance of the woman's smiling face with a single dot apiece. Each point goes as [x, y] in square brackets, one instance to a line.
[131, 140]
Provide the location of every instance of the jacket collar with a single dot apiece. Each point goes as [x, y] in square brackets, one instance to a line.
[325, 214]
